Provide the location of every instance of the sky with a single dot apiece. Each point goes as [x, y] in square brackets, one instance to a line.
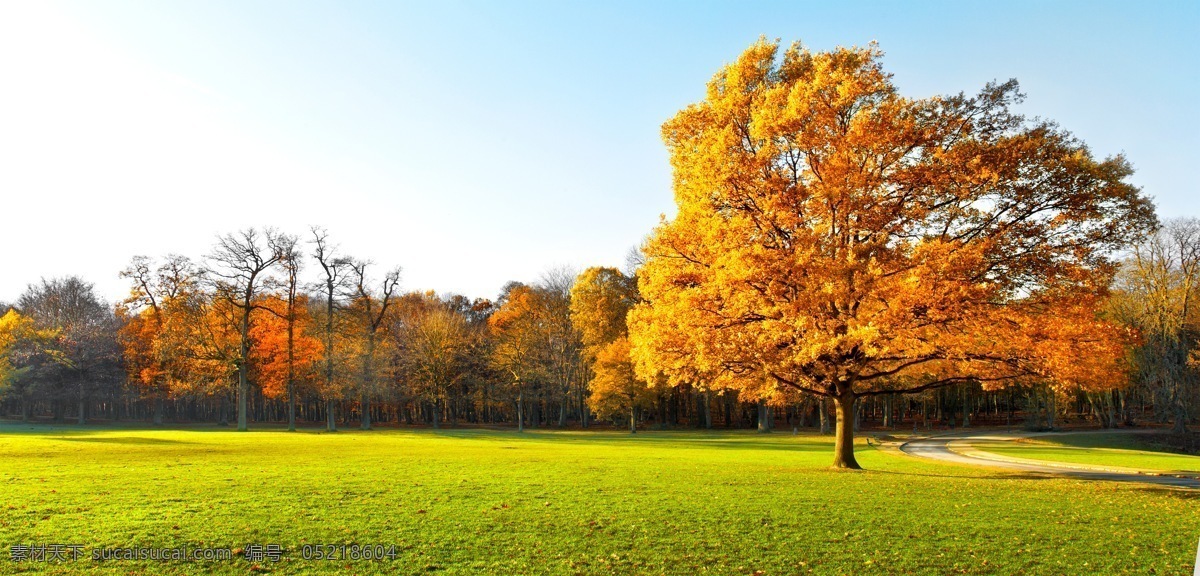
[474, 143]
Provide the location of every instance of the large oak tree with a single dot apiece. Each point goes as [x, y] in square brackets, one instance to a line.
[837, 238]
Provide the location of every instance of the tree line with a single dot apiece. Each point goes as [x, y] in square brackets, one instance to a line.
[262, 331]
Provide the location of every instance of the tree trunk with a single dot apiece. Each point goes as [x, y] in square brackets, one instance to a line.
[243, 382]
[966, 408]
[843, 444]
[364, 402]
[632, 417]
[583, 411]
[763, 425]
[725, 403]
[707, 410]
[824, 410]
[1051, 409]
[158, 411]
[520, 411]
[1181, 417]
[330, 421]
[435, 409]
[291, 381]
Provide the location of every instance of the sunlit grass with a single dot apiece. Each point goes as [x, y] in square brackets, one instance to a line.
[1115, 449]
[476, 501]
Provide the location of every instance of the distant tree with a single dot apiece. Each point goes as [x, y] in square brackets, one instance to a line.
[334, 279]
[12, 325]
[564, 347]
[518, 345]
[600, 301]
[86, 352]
[601, 298]
[154, 296]
[615, 387]
[370, 308]
[1159, 296]
[202, 338]
[438, 343]
[23, 347]
[238, 267]
[289, 284]
[839, 239]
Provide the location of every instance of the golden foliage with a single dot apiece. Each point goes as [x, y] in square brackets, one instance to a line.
[600, 300]
[615, 387]
[839, 239]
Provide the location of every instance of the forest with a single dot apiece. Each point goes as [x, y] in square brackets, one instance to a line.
[270, 328]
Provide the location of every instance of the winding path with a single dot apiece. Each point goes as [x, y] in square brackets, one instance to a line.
[958, 449]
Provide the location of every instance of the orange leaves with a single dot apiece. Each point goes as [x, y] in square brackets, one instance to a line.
[516, 325]
[139, 336]
[270, 363]
[837, 236]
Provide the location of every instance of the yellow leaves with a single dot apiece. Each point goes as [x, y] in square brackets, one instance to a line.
[19, 331]
[831, 229]
[614, 386]
[12, 325]
[600, 300]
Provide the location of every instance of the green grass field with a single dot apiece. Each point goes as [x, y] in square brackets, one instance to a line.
[498, 502]
[1102, 449]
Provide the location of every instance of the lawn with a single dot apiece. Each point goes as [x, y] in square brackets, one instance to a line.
[499, 502]
[1101, 449]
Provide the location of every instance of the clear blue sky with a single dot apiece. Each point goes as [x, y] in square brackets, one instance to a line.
[475, 143]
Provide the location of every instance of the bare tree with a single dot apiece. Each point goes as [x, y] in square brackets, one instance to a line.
[335, 269]
[438, 340]
[145, 294]
[289, 283]
[1159, 288]
[238, 267]
[371, 318]
[563, 340]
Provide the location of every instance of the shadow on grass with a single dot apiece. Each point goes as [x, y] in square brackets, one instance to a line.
[1176, 491]
[121, 440]
[994, 476]
[685, 439]
[734, 440]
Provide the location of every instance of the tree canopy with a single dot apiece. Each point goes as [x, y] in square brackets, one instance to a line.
[837, 238]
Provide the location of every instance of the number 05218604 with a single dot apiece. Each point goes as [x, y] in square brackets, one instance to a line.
[352, 552]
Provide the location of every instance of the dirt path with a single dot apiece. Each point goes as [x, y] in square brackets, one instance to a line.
[957, 448]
